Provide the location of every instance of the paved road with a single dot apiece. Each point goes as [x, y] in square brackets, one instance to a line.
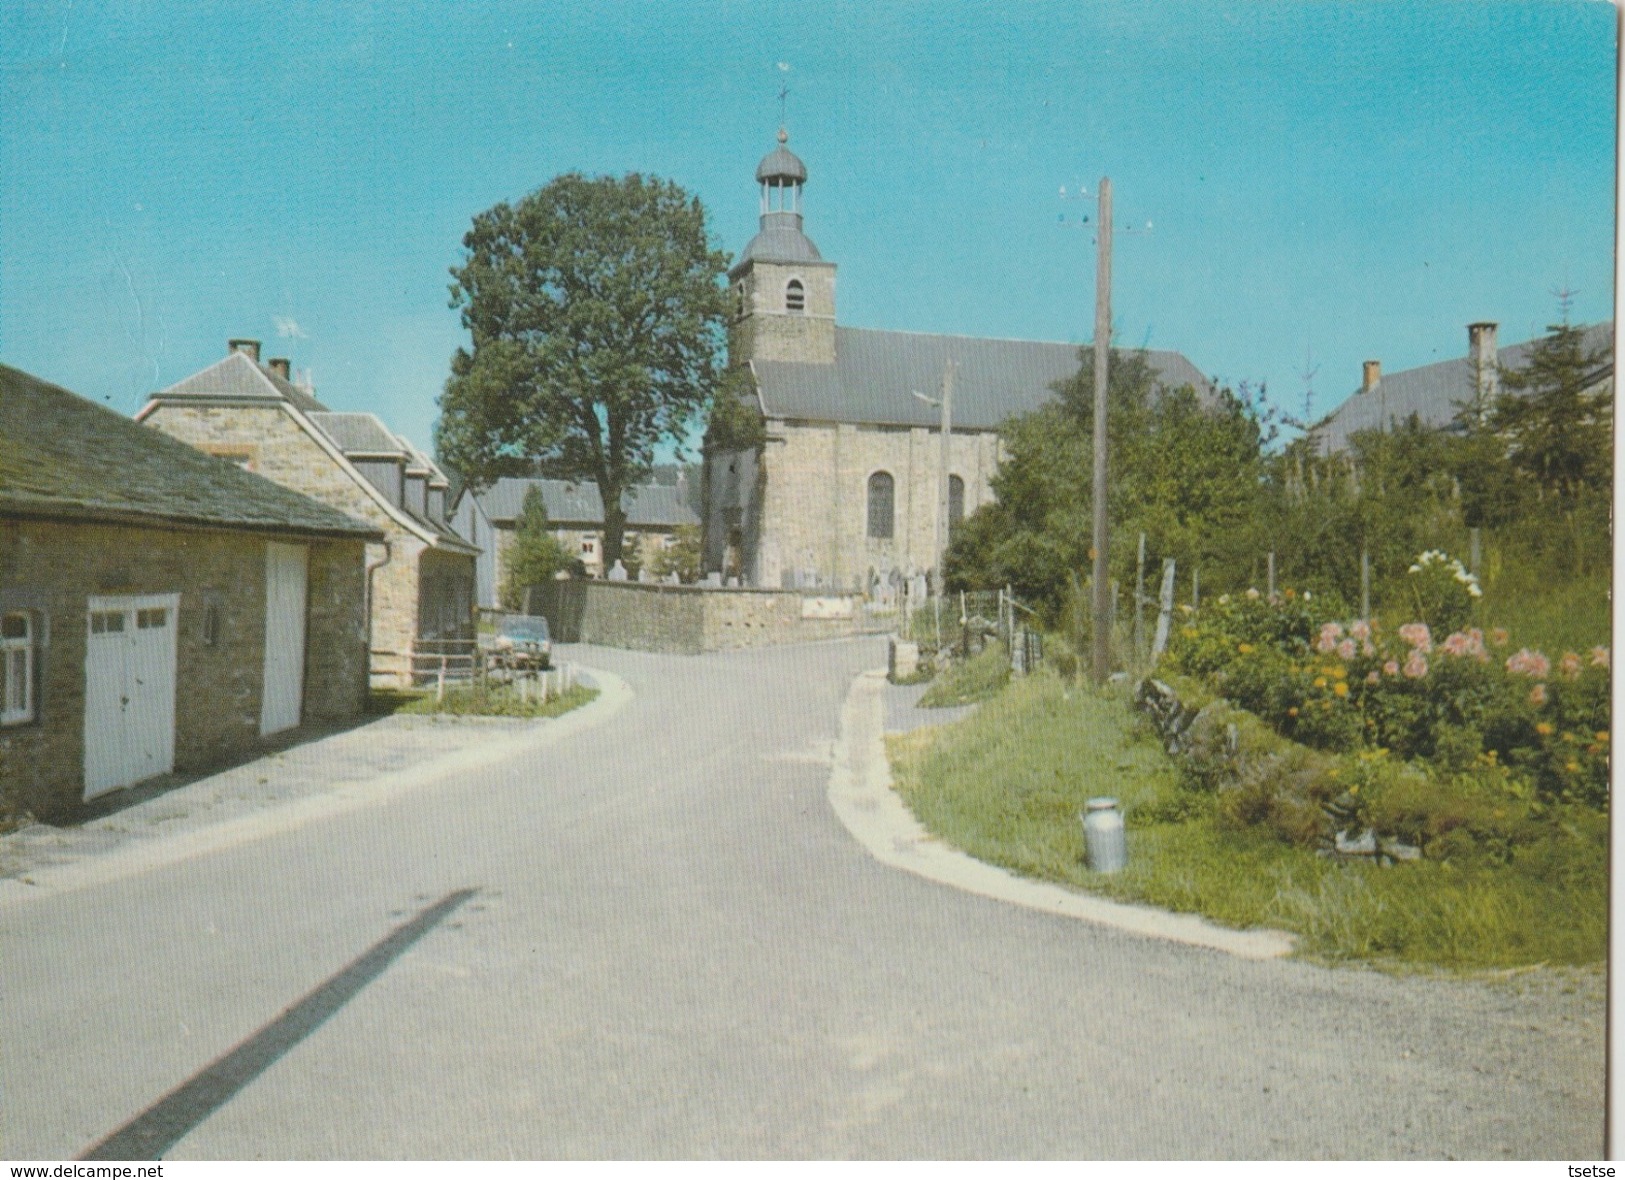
[652, 938]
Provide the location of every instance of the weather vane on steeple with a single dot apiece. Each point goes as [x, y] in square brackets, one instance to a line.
[784, 94]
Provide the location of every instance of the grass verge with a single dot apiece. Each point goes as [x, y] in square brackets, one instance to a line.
[1007, 783]
[977, 679]
[479, 701]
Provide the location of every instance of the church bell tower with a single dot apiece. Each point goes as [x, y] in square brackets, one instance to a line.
[783, 290]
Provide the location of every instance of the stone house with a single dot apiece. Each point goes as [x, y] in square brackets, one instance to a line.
[420, 576]
[846, 489]
[488, 519]
[160, 610]
[1434, 393]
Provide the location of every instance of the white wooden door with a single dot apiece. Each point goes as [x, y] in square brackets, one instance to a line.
[285, 577]
[130, 657]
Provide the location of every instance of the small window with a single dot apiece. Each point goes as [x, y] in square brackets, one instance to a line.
[795, 296]
[105, 621]
[882, 491]
[151, 620]
[16, 668]
[589, 547]
[211, 625]
[956, 502]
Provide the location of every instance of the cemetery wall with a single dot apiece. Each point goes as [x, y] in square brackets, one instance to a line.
[685, 620]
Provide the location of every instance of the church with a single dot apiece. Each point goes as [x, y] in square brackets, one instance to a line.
[842, 489]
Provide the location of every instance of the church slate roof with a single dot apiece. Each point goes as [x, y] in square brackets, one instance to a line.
[237, 376]
[66, 458]
[647, 506]
[875, 373]
[1431, 392]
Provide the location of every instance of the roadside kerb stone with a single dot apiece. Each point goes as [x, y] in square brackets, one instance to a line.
[860, 791]
[280, 792]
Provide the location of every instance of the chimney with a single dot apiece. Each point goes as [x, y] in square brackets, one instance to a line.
[251, 347]
[1373, 375]
[281, 367]
[1483, 358]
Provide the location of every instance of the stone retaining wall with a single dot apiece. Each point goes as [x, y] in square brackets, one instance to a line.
[687, 620]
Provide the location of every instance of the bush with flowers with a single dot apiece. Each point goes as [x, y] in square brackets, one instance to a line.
[1492, 734]
[1444, 592]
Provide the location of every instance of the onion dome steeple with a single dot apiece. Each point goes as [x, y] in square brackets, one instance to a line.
[781, 175]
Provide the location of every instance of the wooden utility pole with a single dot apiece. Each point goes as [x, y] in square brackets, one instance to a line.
[940, 541]
[1103, 336]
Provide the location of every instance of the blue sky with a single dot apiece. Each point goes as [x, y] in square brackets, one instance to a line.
[1326, 182]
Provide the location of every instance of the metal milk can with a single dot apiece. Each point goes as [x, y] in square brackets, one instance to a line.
[1103, 836]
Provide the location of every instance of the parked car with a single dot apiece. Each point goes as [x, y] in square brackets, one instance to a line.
[522, 642]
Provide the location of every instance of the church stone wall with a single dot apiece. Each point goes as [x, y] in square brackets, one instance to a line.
[816, 498]
[768, 331]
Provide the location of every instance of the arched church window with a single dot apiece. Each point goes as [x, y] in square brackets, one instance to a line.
[956, 501]
[795, 296]
[882, 493]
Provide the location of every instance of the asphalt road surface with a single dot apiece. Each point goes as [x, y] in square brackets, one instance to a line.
[652, 938]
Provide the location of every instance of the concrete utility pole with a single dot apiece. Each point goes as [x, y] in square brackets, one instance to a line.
[1103, 334]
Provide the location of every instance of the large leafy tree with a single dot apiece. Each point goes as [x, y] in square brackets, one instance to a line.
[1186, 470]
[596, 318]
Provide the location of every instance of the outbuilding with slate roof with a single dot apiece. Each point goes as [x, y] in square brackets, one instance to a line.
[1435, 394]
[420, 576]
[575, 512]
[160, 609]
[847, 488]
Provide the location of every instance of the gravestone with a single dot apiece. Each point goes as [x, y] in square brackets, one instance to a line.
[617, 572]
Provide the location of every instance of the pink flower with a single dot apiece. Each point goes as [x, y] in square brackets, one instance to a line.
[1367, 648]
[1360, 629]
[1466, 643]
[1416, 666]
[1529, 663]
[1345, 650]
[1537, 695]
[1569, 666]
[1391, 668]
[1373, 678]
[1599, 657]
[1418, 636]
[1330, 633]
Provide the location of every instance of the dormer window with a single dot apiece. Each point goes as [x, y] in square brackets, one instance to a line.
[795, 296]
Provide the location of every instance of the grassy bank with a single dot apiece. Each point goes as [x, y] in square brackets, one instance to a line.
[1007, 784]
[479, 701]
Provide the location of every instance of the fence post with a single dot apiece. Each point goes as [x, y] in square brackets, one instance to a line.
[1271, 591]
[1365, 584]
[1165, 609]
[440, 681]
[1139, 601]
[1196, 588]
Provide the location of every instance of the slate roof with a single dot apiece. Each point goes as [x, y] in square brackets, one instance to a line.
[876, 372]
[780, 239]
[1430, 392]
[357, 434]
[236, 376]
[647, 506]
[67, 458]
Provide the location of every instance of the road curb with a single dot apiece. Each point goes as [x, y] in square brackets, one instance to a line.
[98, 868]
[861, 794]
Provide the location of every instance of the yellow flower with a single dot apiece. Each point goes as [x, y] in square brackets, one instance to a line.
[1340, 672]
[1244, 648]
[1545, 728]
[1188, 632]
[1602, 735]
[1292, 712]
[1571, 767]
[1340, 689]
[1320, 682]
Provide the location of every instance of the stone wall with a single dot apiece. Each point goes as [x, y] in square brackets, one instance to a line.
[685, 620]
[815, 508]
[51, 569]
[768, 331]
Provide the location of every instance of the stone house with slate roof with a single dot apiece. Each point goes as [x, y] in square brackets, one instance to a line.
[160, 610]
[489, 518]
[1434, 393]
[845, 490]
[420, 575]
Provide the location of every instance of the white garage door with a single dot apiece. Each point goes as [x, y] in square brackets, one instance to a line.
[285, 571]
[130, 652]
